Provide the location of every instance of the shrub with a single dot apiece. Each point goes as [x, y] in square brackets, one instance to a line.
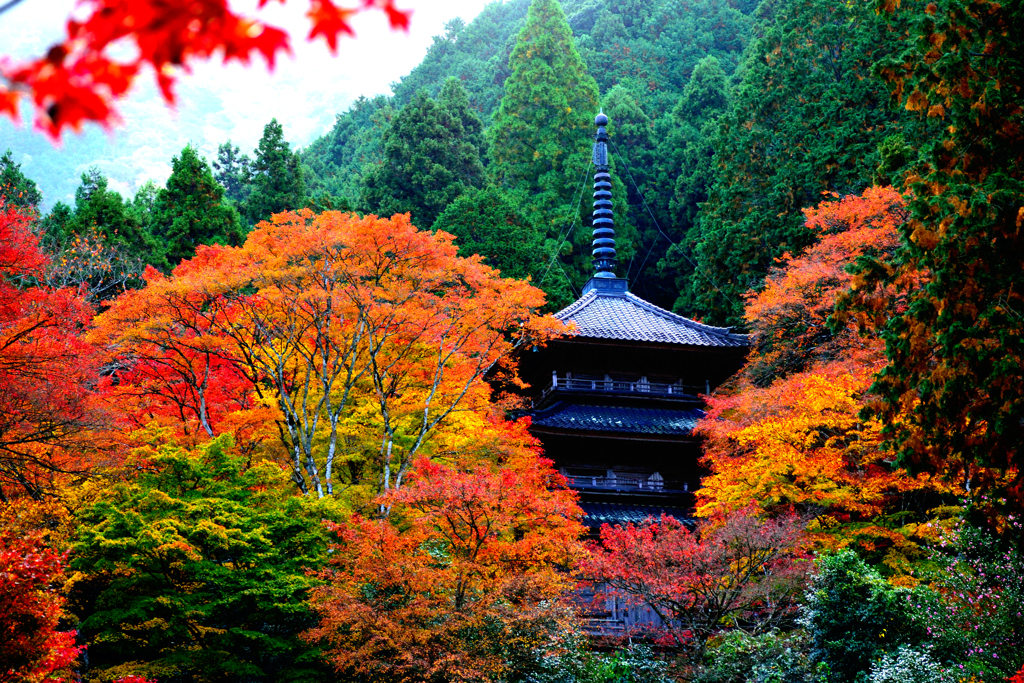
[769, 658]
[909, 665]
[853, 615]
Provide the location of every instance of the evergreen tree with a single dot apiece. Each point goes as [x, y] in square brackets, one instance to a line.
[336, 165]
[55, 227]
[688, 154]
[99, 209]
[454, 98]
[17, 189]
[633, 139]
[189, 211]
[233, 171]
[142, 203]
[540, 140]
[277, 183]
[431, 156]
[488, 222]
[806, 119]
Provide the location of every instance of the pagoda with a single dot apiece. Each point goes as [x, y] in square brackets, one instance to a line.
[616, 403]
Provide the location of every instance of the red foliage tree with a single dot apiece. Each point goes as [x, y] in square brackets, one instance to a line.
[46, 369]
[733, 570]
[32, 650]
[79, 78]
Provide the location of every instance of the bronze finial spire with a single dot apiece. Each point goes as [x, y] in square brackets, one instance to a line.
[604, 224]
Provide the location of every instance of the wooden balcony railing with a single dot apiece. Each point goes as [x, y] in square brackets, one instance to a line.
[625, 482]
[613, 386]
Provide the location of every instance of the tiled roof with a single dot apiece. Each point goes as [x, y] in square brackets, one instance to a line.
[622, 513]
[602, 315]
[630, 420]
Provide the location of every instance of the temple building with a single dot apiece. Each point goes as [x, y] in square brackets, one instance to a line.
[616, 404]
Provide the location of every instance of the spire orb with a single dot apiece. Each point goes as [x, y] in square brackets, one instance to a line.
[601, 119]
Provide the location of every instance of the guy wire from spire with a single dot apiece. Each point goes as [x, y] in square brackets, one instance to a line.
[671, 241]
[561, 238]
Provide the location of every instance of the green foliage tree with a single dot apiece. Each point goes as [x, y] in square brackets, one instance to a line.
[17, 189]
[540, 140]
[101, 210]
[488, 222]
[189, 211]
[807, 116]
[686, 166]
[55, 226]
[431, 156]
[773, 657]
[276, 173]
[144, 200]
[657, 44]
[953, 390]
[335, 165]
[975, 617]
[195, 571]
[233, 171]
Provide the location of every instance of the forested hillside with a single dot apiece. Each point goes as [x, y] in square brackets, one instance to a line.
[262, 422]
[641, 56]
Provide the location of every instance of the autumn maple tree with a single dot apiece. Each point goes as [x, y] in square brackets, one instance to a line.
[80, 78]
[733, 569]
[467, 574]
[33, 647]
[789, 431]
[352, 340]
[47, 371]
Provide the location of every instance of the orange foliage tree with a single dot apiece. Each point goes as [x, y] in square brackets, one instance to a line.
[80, 78]
[463, 581]
[340, 335]
[47, 371]
[790, 431]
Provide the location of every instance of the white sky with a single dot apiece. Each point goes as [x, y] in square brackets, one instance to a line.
[219, 102]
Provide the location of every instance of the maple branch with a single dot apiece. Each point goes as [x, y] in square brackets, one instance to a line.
[11, 4]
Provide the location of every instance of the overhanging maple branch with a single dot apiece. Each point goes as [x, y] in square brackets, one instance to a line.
[10, 4]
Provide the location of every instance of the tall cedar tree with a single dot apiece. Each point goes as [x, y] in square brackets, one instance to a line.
[196, 571]
[277, 183]
[633, 136]
[488, 222]
[540, 141]
[233, 170]
[431, 156]
[807, 117]
[956, 355]
[687, 155]
[189, 211]
[16, 189]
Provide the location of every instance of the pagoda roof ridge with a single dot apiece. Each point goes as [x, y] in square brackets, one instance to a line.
[625, 316]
